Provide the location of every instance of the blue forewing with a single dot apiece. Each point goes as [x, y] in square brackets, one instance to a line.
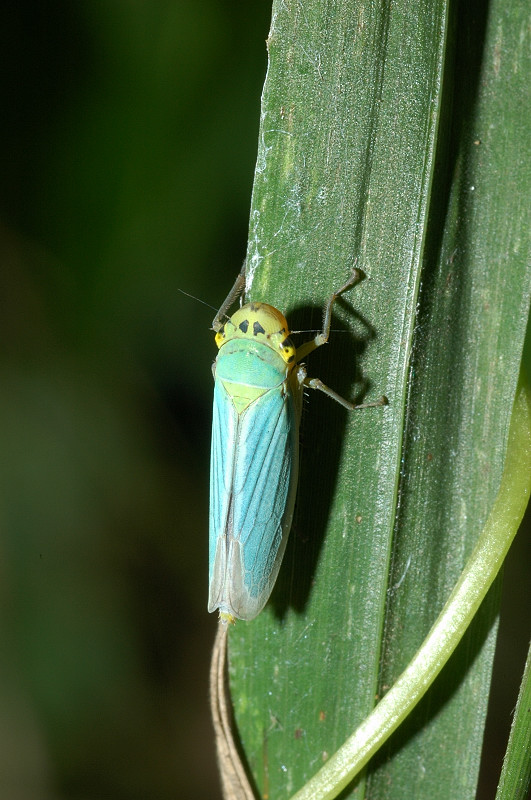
[254, 464]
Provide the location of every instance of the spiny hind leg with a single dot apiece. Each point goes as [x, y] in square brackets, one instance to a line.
[316, 383]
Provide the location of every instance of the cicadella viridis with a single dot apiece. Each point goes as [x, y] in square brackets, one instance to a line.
[258, 388]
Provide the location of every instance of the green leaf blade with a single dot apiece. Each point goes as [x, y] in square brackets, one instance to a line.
[346, 169]
[515, 779]
[471, 324]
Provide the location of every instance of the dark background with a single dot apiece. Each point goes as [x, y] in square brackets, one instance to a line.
[128, 137]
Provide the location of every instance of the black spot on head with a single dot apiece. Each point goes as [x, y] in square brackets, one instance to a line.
[285, 343]
[244, 325]
[257, 328]
[291, 358]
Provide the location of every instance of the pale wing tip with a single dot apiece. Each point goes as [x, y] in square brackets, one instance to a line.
[228, 590]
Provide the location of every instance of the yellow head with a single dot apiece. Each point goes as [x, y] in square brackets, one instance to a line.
[262, 323]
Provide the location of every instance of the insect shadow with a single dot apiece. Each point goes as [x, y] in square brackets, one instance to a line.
[323, 422]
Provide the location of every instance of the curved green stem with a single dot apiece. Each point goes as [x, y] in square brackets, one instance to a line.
[465, 599]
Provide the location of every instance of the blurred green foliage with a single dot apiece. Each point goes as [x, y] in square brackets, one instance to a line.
[129, 139]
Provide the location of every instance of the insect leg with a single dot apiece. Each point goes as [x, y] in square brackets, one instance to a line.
[321, 338]
[315, 383]
[239, 283]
